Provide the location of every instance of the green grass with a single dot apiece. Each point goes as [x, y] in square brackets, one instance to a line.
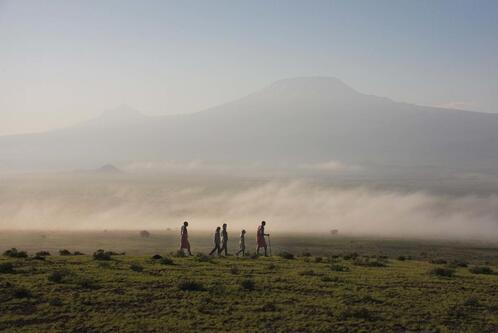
[137, 293]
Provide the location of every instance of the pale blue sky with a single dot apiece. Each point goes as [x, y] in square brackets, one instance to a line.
[66, 61]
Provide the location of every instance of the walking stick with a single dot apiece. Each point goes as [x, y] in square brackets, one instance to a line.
[269, 244]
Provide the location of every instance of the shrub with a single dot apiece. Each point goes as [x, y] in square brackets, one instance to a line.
[306, 254]
[271, 266]
[14, 253]
[472, 301]
[179, 254]
[136, 268]
[78, 253]
[350, 256]
[144, 234]
[157, 257]
[308, 272]
[234, 270]
[441, 271]
[86, 283]
[36, 257]
[190, 285]
[458, 263]
[401, 258]
[339, 268]
[201, 257]
[438, 261]
[286, 255]
[65, 252]
[327, 278]
[6, 267]
[55, 302]
[166, 261]
[21, 292]
[58, 276]
[102, 255]
[217, 289]
[481, 270]
[247, 284]
[318, 259]
[269, 307]
[43, 253]
[366, 262]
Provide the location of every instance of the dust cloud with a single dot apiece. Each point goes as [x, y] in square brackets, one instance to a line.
[74, 202]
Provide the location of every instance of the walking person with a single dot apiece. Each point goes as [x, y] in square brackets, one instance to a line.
[184, 243]
[242, 243]
[217, 241]
[224, 240]
[260, 238]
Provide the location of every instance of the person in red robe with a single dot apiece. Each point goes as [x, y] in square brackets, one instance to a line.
[260, 238]
[184, 243]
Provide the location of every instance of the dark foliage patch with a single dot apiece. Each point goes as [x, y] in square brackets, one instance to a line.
[286, 255]
[190, 285]
[102, 255]
[166, 261]
[481, 270]
[43, 253]
[136, 268]
[156, 257]
[6, 268]
[14, 253]
[442, 271]
[247, 284]
[65, 252]
[339, 268]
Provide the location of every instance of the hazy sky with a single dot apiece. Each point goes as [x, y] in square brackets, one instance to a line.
[66, 61]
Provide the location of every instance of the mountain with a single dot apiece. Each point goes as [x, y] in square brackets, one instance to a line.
[290, 122]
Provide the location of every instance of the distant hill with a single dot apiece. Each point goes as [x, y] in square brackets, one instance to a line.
[109, 169]
[291, 122]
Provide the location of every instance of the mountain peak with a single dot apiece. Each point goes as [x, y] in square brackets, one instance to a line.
[121, 112]
[311, 88]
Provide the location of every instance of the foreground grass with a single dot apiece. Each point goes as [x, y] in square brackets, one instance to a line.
[140, 294]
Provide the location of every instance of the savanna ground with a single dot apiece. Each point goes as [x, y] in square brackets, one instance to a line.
[333, 284]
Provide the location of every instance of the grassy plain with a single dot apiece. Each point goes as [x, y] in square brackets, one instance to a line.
[344, 284]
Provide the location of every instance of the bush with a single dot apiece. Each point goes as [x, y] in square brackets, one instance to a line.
[234, 270]
[190, 285]
[179, 254]
[14, 253]
[156, 257]
[201, 257]
[366, 262]
[438, 261]
[306, 254]
[43, 254]
[136, 268]
[6, 267]
[20, 292]
[350, 256]
[144, 234]
[269, 307]
[458, 263]
[58, 276]
[401, 258]
[86, 283]
[308, 272]
[339, 268]
[318, 259]
[65, 252]
[286, 255]
[55, 302]
[78, 253]
[472, 301]
[102, 255]
[166, 261]
[481, 270]
[247, 284]
[42, 258]
[441, 271]
[327, 278]
[271, 266]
